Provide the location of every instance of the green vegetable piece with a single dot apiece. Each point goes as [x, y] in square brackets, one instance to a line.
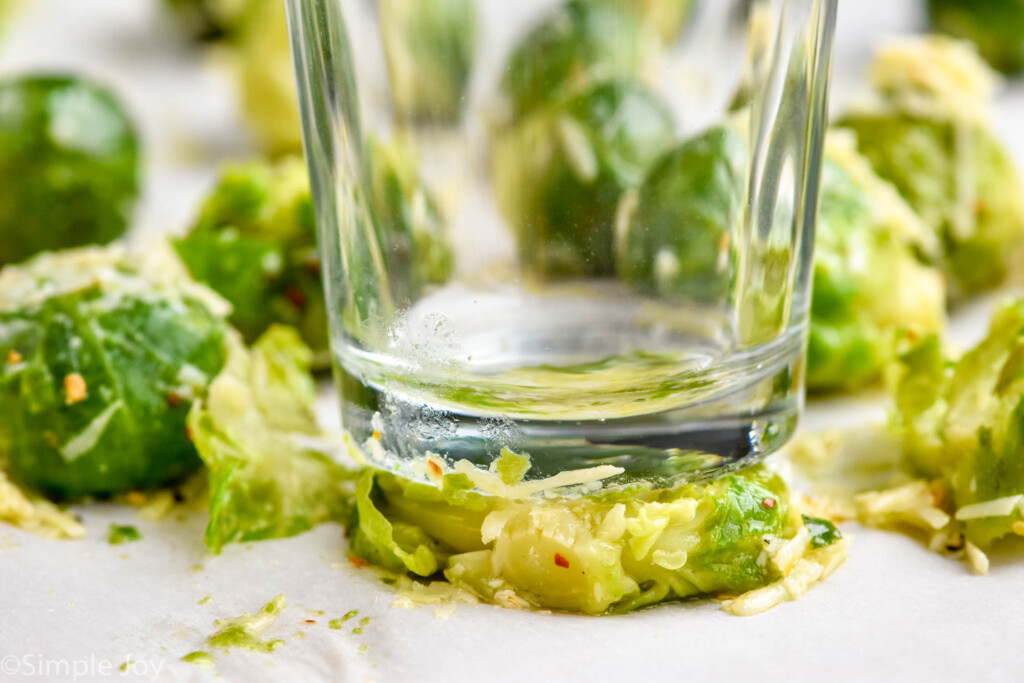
[270, 470]
[593, 554]
[122, 534]
[870, 279]
[561, 173]
[409, 227]
[964, 421]
[100, 356]
[254, 243]
[581, 43]
[429, 46]
[823, 532]
[69, 157]
[995, 26]
[512, 467]
[676, 239]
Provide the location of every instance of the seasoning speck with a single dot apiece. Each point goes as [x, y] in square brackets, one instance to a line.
[561, 560]
[75, 389]
[13, 357]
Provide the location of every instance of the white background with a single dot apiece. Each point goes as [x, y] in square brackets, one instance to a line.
[893, 612]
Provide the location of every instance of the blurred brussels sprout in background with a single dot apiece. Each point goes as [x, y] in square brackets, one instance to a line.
[664, 18]
[561, 172]
[254, 243]
[101, 355]
[582, 42]
[70, 164]
[674, 237]
[995, 26]
[964, 422]
[869, 277]
[267, 78]
[208, 19]
[607, 552]
[929, 135]
[408, 224]
[429, 46]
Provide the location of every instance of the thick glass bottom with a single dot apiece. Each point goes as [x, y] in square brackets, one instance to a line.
[572, 395]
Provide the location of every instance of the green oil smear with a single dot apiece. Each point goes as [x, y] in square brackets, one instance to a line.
[203, 660]
[243, 632]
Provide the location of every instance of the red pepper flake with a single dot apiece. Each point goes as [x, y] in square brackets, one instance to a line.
[188, 433]
[13, 357]
[296, 297]
[376, 435]
[310, 621]
[434, 468]
[769, 503]
[561, 561]
[173, 400]
[357, 561]
[75, 389]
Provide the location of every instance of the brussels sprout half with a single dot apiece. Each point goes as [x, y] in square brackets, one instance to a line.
[69, 159]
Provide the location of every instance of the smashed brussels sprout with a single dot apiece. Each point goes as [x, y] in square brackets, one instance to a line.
[100, 356]
[582, 42]
[963, 422]
[254, 243]
[409, 227]
[270, 469]
[429, 46]
[607, 552]
[929, 136]
[675, 237]
[561, 172]
[995, 26]
[869, 279]
[69, 160]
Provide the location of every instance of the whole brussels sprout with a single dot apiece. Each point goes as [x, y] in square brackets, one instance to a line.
[609, 552]
[930, 138]
[964, 422]
[409, 227]
[429, 46]
[869, 279]
[561, 172]
[69, 159]
[995, 26]
[584, 41]
[675, 234]
[254, 243]
[101, 356]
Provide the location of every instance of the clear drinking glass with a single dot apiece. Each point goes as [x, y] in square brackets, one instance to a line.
[581, 230]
